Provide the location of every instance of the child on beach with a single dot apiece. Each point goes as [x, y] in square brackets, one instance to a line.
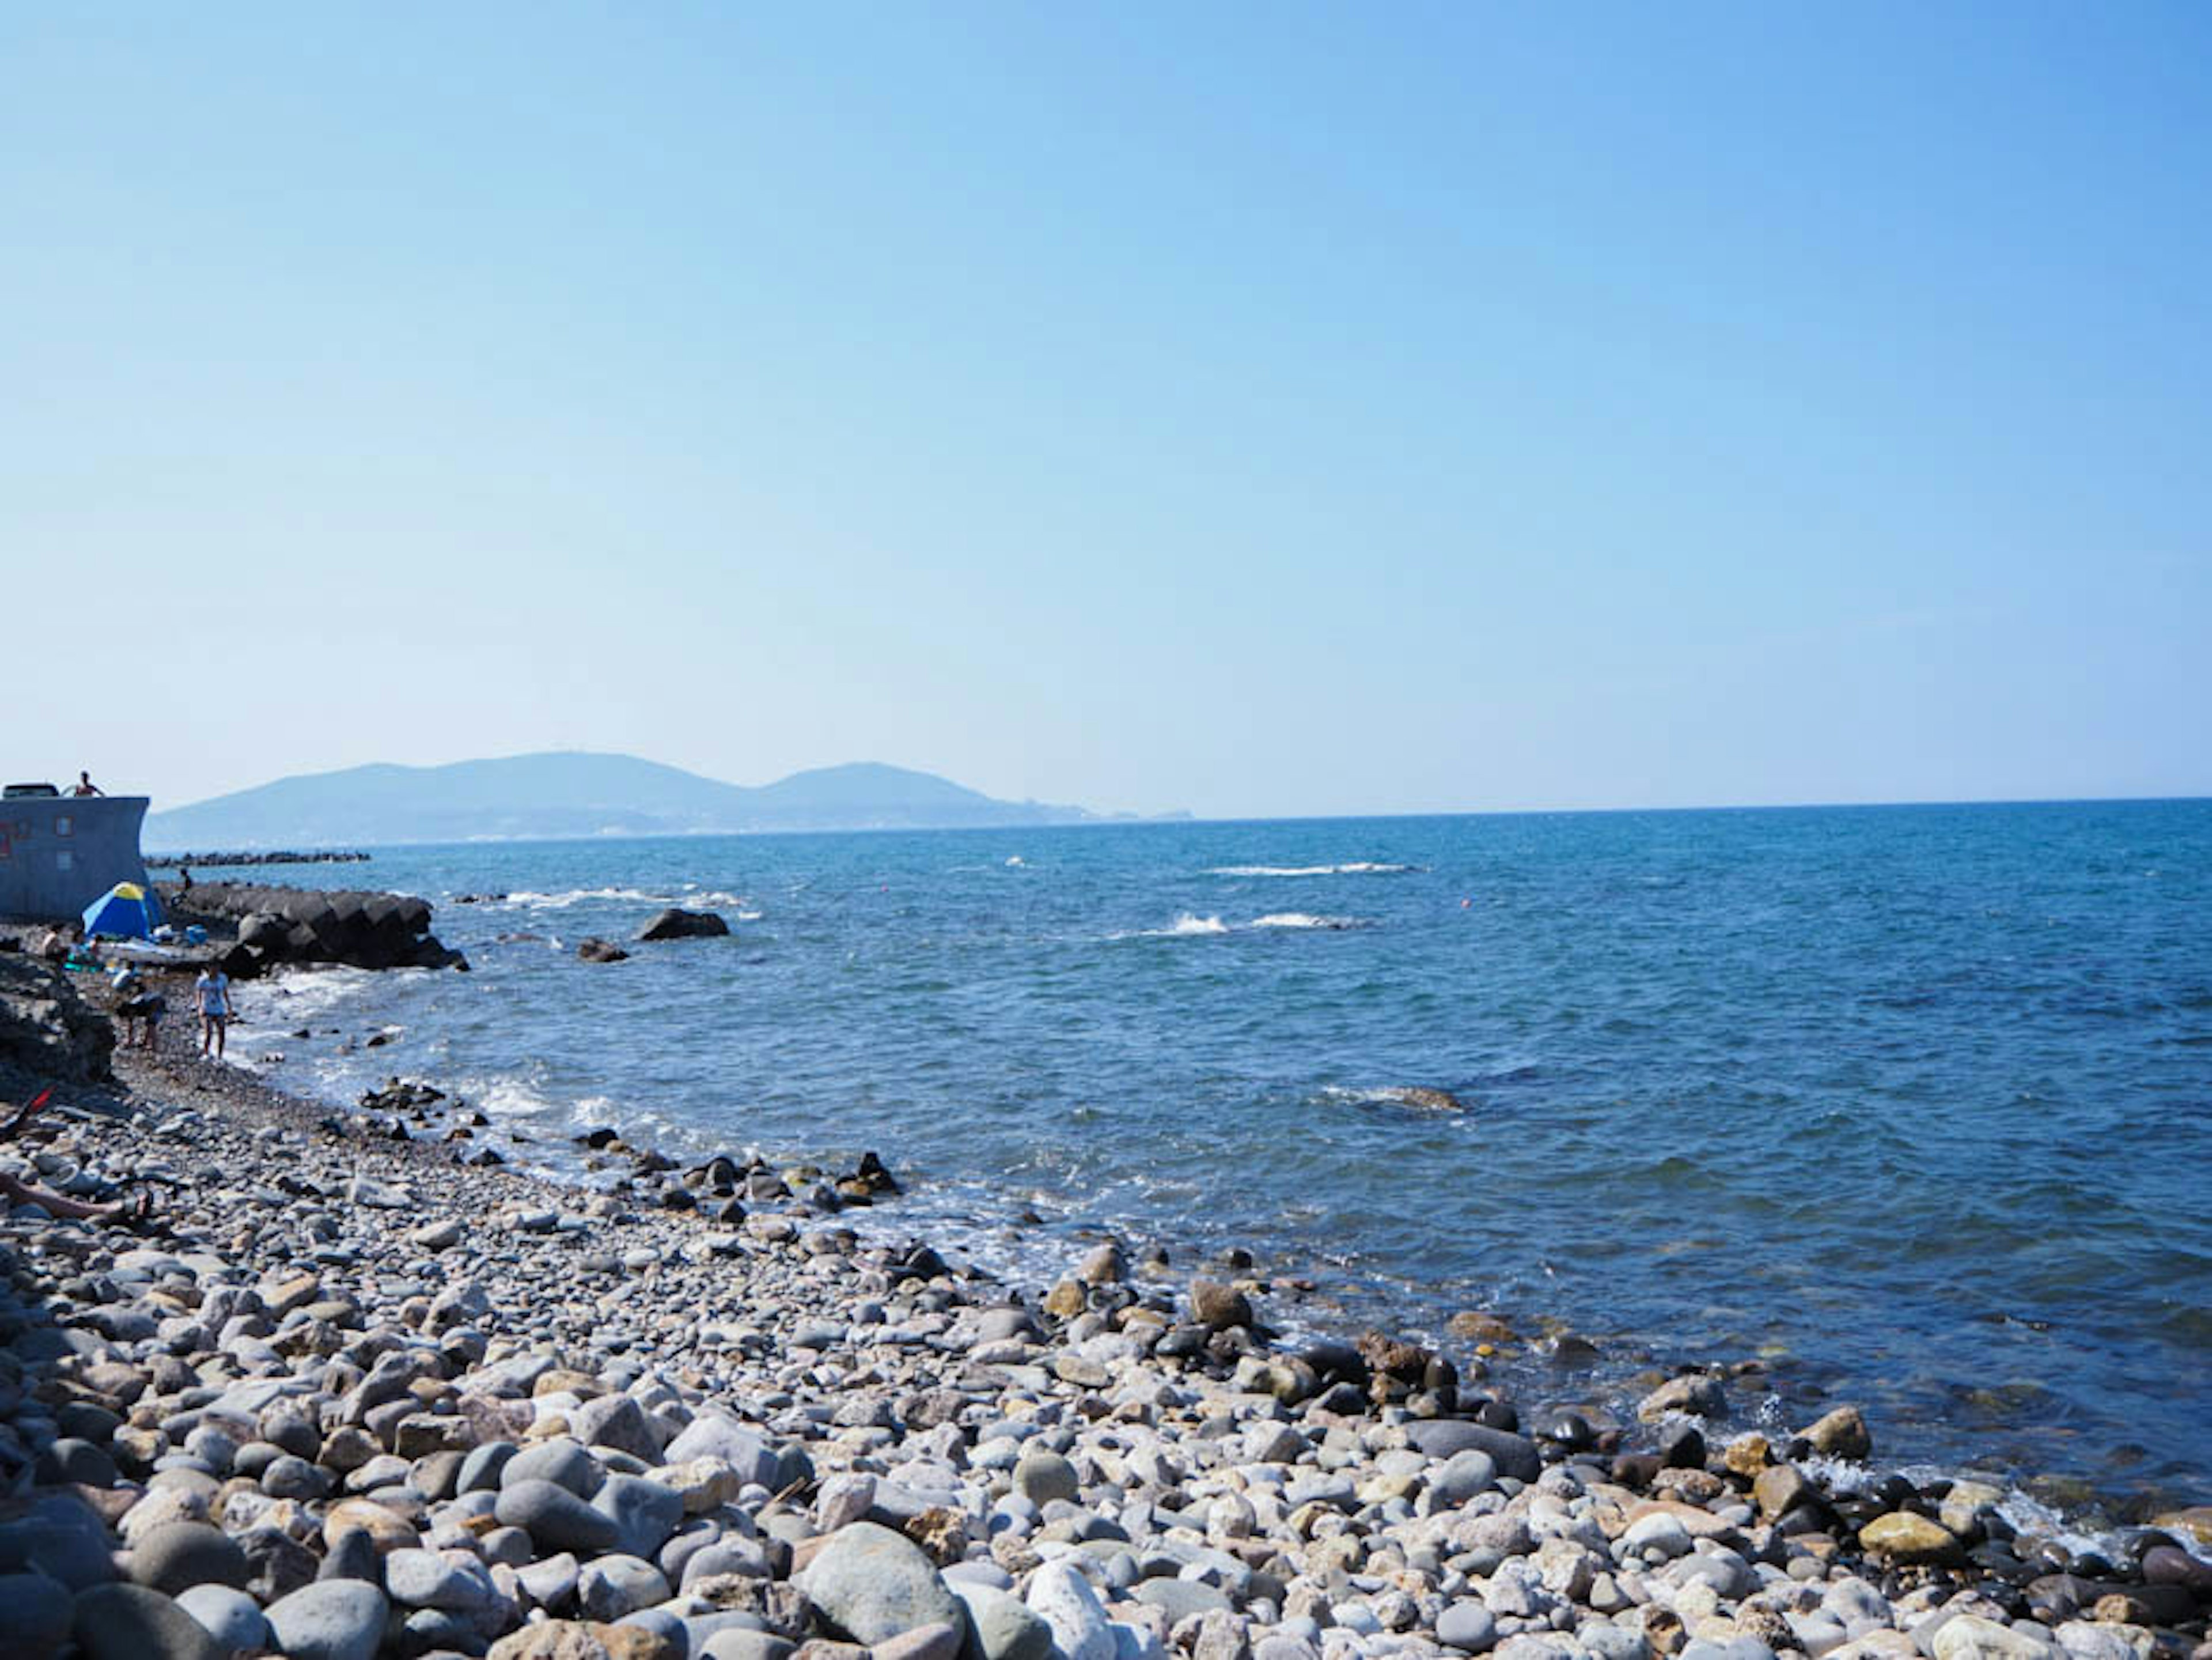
[213, 990]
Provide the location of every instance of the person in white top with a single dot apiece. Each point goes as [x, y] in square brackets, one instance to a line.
[213, 990]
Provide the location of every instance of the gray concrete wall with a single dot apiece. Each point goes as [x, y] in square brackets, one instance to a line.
[58, 853]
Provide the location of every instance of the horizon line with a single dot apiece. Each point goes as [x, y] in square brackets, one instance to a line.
[1183, 820]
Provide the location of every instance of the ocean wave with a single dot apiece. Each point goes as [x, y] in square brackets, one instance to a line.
[1189, 927]
[524, 899]
[1358, 868]
[1421, 1096]
[298, 996]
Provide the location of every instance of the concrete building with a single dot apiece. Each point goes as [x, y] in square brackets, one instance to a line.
[59, 852]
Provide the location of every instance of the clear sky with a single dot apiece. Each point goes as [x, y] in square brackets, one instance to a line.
[1257, 408]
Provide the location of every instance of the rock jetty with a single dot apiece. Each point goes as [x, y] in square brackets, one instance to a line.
[361, 1400]
[276, 926]
[268, 856]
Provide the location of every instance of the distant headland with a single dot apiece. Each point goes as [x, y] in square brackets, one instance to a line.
[572, 793]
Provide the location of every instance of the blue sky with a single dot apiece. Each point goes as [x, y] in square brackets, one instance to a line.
[1251, 409]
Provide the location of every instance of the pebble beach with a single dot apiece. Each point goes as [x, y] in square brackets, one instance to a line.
[354, 1396]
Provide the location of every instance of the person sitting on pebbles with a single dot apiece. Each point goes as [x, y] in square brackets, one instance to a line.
[135, 1210]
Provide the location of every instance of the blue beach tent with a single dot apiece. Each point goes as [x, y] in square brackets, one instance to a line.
[126, 911]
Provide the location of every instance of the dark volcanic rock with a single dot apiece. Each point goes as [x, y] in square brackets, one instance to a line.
[675, 924]
[47, 1028]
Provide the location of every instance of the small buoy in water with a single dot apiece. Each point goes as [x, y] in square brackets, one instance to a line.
[1466, 903]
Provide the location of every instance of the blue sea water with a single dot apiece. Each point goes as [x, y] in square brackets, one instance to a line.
[1910, 1102]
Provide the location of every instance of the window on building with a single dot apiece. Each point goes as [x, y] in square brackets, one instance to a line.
[61, 825]
[64, 859]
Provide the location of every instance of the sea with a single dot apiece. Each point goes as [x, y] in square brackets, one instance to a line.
[1911, 1106]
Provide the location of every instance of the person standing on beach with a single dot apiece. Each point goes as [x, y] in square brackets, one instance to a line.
[213, 989]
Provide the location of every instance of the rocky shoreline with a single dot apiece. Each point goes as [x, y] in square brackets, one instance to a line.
[358, 1397]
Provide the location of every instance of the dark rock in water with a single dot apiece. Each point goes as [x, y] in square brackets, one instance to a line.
[1427, 1099]
[130, 1622]
[1569, 1430]
[1571, 1352]
[398, 1096]
[871, 1172]
[1515, 1456]
[678, 924]
[276, 926]
[595, 950]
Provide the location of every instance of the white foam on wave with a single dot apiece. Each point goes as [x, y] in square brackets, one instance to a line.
[294, 996]
[1186, 926]
[505, 1096]
[524, 899]
[1420, 1097]
[1357, 867]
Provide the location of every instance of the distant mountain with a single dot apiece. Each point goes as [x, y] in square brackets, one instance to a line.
[525, 797]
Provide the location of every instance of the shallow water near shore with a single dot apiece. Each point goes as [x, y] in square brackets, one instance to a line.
[1912, 1102]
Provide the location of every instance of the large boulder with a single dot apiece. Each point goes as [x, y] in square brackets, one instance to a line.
[47, 1028]
[874, 1584]
[676, 924]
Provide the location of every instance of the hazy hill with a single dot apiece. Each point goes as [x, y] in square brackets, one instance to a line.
[568, 795]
